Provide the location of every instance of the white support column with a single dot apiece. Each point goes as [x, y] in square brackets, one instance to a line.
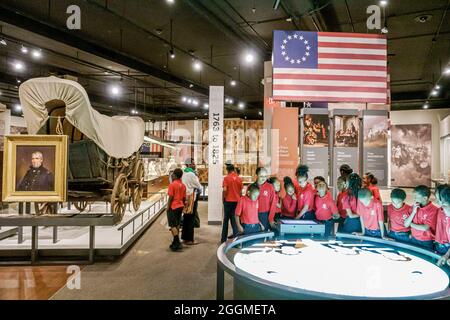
[215, 154]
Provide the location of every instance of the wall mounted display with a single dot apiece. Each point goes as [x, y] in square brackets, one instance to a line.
[375, 131]
[315, 141]
[411, 155]
[346, 131]
[315, 130]
[375, 143]
[345, 140]
[35, 168]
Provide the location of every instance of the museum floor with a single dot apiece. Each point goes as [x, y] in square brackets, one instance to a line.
[149, 270]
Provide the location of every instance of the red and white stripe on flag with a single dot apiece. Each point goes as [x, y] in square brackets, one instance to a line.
[351, 67]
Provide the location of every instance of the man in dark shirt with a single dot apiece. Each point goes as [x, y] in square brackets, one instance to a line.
[37, 178]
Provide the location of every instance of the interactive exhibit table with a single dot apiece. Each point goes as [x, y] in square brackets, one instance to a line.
[296, 262]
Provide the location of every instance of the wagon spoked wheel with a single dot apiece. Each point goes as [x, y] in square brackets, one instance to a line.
[137, 188]
[80, 205]
[119, 196]
[41, 208]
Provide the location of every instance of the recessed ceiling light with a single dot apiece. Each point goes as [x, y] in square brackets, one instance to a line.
[197, 65]
[383, 3]
[3, 42]
[184, 99]
[115, 90]
[170, 1]
[447, 71]
[241, 105]
[434, 93]
[206, 106]
[233, 83]
[18, 107]
[231, 101]
[189, 101]
[19, 81]
[191, 85]
[24, 50]
[437, 87]
[19, 66]
[249, 57]
[260, 113]
[426, 106]
[36, 54]
[172, 54]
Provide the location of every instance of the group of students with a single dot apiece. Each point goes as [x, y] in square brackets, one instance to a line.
[358, 207]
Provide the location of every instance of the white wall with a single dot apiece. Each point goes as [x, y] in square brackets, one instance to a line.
[434, 117]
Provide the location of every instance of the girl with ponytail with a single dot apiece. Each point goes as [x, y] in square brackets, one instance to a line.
[352, 222]
[370, 182]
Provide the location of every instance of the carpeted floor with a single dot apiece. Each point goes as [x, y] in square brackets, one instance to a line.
[149, 270]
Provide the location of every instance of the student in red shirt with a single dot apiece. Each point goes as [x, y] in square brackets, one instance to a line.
[352, 221]
[316, 181]
[442, 240]
[343, 192]
[289, 202]
[398, 211]
[370, 182]
[232, 192]
[423, 218]
[371, 214]
[177, 199]
[267, 198]
[247, 211]
[326, 210]
[277, 187]
[305, 196]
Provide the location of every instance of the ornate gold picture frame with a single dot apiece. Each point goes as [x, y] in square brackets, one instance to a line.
[35, 168]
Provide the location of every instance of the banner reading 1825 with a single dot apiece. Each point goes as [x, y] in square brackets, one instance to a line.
[215, 154]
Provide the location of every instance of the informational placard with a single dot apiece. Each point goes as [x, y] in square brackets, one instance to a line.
[315, 126]
[345, 140]
[215, 154]
[375, 128]
[285, 121]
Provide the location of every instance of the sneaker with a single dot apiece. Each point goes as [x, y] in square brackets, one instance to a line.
[177, 246]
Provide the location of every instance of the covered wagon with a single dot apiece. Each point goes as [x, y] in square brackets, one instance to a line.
[103, 161]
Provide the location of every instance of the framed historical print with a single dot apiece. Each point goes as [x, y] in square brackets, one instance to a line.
[35, 168]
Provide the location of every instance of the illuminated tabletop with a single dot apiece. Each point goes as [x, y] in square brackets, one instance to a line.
[345, 267]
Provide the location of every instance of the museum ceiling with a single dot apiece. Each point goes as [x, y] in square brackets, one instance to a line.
[128, 44]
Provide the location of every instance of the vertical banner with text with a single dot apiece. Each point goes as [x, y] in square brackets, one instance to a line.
[315, 125]
[346, 140]
[285, 121]
[375, 128]
[215, 154]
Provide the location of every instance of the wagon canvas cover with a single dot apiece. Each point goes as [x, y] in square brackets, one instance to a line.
[118, 136]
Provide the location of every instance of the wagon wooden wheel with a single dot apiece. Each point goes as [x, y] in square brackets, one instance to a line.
[119, 196]
[137, 188]
[41, 208]
[80, 205]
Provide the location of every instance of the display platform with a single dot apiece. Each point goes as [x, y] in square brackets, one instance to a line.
[346, 267]
[73, 241]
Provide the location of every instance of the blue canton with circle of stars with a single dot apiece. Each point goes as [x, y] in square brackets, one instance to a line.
[295, 49]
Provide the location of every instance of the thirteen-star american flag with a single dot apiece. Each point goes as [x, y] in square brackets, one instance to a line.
[329, 66]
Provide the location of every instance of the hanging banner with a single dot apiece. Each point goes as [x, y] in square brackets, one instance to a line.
[315, 136]
[346, 140]
[215, 154]
[375, 128]
[285, 152]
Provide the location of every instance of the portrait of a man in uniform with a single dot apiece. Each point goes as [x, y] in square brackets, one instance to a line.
[38, 177]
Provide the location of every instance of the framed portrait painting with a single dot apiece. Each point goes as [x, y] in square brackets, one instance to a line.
[35, 168]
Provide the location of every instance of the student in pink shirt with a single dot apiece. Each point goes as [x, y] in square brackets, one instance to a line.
[370, 182]
[305, 196]
[442, 239]
[343, 193]
[247, 220]
[275, 216]
[326, 209]
[352, 221]
[371, 214]
[289, 203]
[423, 218]
[398, 211]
